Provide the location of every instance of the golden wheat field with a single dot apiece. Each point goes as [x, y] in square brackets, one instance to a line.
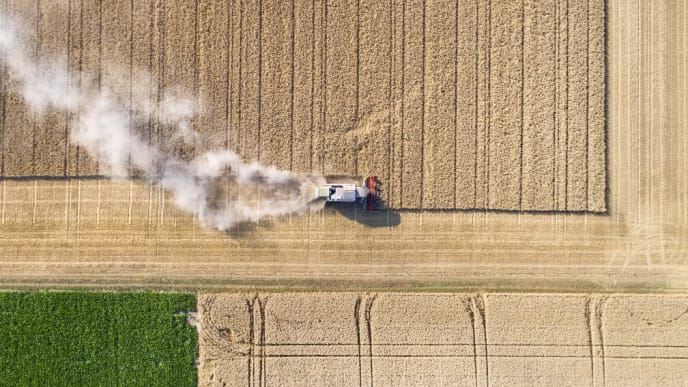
[535, 146]
[453, 105]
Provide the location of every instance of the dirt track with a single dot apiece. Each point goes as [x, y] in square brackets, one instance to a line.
[452, 104]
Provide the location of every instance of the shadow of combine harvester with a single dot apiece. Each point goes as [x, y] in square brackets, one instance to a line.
[371, 210]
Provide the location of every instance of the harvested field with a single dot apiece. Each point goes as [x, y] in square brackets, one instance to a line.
[454, 105]
[92, 232]
[388, 339]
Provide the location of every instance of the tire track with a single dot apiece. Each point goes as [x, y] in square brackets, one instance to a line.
[131, 82]
[403, 98]
[100, 64]
[69, 85]
[291, 85]
[357, 322]
[587, 103]
[588, 328]
[312, 71]
[260, 77]
[468, 307]
[422, 110]
[479, 304]
[323, 92]
[390, 93]
[477, 88]
[229, 74]
[34, 115]
[151, 90]
[196, 78]
[323, 86]
[520, 168]
[3, 104]
[566, 113]
[488, 113]
[599, 188]
[456, 93]
[250, 304]
[261, 370]
[239, 76]
[162, 32]
[599, 321]
[555, 122]
[100, 45]
[357, 105]
[81, 67]
[368, 311]
[358, 65]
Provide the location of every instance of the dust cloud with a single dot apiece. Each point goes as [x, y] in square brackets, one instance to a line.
[216, 186]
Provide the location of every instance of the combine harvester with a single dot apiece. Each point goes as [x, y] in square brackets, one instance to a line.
[351, 193]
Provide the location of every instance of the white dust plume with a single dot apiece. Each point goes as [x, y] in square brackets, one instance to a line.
[217, 186]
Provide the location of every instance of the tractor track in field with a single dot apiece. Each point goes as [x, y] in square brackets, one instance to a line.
[445, 149]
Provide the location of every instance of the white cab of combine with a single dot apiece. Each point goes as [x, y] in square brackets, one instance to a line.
[347, 193]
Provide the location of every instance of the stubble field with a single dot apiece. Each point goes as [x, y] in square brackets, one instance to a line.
[441, 339]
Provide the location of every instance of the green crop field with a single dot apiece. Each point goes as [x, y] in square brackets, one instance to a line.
[97, 338]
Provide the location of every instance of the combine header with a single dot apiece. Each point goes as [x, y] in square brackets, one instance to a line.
[351, 193]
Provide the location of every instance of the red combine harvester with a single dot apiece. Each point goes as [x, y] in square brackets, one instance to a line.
[351, 193]
[371, 200]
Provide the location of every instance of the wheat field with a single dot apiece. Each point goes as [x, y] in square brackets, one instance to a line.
[453, 105]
